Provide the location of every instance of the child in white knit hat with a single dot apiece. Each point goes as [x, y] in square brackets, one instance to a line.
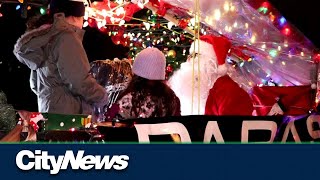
[147, 95]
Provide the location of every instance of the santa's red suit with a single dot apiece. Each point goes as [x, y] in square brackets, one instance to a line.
[219, 94]
[227, 98]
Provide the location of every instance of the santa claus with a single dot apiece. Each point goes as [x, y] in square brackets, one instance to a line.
[203, 85]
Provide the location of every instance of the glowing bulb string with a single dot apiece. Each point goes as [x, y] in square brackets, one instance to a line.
[164, 27]
[168, 17]
[150, 22]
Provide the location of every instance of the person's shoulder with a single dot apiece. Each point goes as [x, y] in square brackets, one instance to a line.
[64, 37]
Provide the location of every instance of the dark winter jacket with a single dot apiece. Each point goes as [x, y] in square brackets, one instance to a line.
[59, 68]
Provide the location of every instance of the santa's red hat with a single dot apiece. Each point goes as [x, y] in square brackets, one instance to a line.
[213, 46]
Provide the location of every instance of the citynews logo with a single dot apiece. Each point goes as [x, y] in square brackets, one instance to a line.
[40, 160]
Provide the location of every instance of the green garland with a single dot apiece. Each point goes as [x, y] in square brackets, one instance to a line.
[7, 114]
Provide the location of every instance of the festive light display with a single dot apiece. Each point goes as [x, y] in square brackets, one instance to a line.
[24, 6]
[267, 49]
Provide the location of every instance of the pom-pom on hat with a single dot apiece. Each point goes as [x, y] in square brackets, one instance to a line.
[213, 46]
[150, 63]
[68, 7]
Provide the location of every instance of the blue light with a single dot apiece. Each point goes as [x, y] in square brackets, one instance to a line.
[18, 7]
[282, 20]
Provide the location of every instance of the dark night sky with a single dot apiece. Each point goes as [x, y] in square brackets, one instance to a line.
[14, 81]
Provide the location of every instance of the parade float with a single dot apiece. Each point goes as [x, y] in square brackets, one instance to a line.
[269, 58]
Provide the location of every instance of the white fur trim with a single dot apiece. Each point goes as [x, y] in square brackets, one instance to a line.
[205, 48]
[186, 89]
[222, 69]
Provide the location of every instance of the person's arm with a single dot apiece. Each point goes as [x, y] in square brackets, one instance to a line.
[33, 81]
[74, 67]
[13, 135]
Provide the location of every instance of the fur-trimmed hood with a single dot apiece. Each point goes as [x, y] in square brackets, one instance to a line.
[29, 48]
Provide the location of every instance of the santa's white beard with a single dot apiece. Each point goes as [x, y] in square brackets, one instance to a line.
[182, 84]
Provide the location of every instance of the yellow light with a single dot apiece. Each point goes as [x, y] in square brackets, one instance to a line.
[226, 6]
[217, 14]
[104, 22]
[271, 61]
[20, 1]
[302, 53]
[170, 24]
[85, 24]
[246, 25]
[235, 25]
[283, 63]
[253, 39]
[279, 48]
[232, 8]
[263, 46]
[122, 22]
[104, 12]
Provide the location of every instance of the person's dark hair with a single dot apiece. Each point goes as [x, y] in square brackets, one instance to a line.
[39, 20]
[161, 94]
[69, 8]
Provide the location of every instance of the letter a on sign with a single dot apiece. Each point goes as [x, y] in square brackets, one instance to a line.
[213, 129]
[144, 130]
[258, 125]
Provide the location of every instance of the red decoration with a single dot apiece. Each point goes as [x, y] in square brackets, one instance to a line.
[119, 38]
[316, 57]
[169, 69]
[34, 126]
[297, 100]
[130, 9]
[162, 9]
[92, 22]
[183, 23]
[286, 31]
[104, 29]
[107, 5]
[182, 37]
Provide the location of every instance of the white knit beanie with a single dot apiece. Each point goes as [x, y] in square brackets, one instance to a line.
[150, 63]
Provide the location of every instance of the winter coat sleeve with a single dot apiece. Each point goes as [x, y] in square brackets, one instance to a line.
[226, 98]
[74, 67]
[33, 81]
